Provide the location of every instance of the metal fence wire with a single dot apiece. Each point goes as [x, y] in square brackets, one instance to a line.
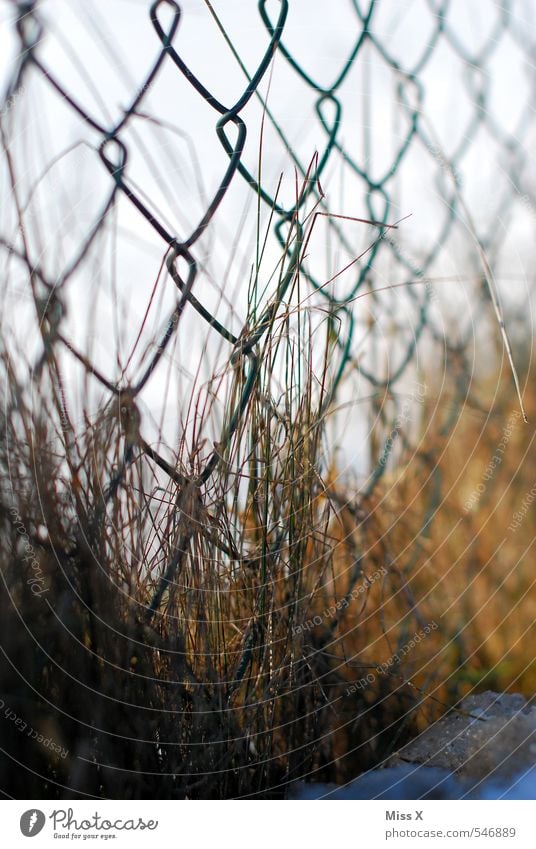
[379, 190]
[346, 118]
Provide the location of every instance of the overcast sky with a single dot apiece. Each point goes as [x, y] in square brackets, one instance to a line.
[101, 51]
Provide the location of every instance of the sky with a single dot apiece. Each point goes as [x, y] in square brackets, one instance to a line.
[479, 65]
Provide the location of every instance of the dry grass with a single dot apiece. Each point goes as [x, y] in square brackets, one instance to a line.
[214, 640]
[242, 616]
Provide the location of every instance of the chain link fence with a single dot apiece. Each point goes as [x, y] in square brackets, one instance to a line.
[279, 172]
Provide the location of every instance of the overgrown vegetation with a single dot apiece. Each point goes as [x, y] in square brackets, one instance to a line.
[225, 613]
[219, 638]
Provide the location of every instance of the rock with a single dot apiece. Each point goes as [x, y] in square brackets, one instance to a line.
[485, 750]
[495, 736]
[403, 782]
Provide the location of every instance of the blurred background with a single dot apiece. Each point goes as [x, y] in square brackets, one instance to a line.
[267, 346]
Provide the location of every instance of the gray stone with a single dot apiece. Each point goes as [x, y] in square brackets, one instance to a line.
[492, 735]
[403, 782]
[484, 750]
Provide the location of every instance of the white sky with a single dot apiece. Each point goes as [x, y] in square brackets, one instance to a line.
[101, 50]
